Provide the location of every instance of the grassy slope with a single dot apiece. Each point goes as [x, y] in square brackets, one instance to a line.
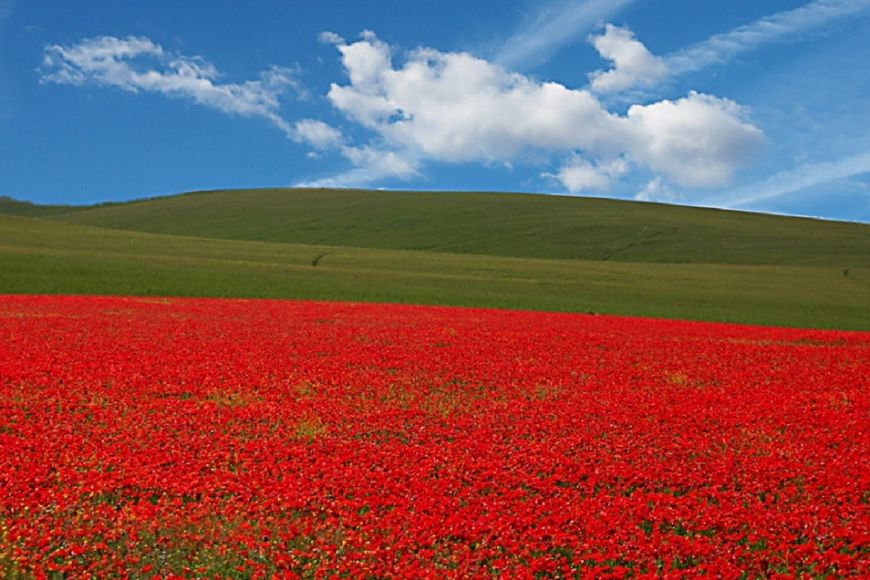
[517, 225]
[40, 256]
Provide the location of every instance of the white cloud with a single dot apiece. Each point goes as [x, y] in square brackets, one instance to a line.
[794, 180]
[449, 107]
[317, 134]
[373, 165]
[722, 47]
[329, 37]
[636, 67]
[457, 108]
[556, 24]
[365, 61]
[382, 163]
[656, 190]
[579, 175]
[137, 64]
[633, 64]
[698, 140]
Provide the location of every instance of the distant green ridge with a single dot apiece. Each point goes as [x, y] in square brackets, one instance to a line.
[496, 224]
[11, 206]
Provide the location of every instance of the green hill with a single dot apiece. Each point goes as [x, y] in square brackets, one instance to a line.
[509, 251]
[11, 206]
[518, 225]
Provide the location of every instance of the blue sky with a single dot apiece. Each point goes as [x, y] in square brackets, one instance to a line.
[757, 105]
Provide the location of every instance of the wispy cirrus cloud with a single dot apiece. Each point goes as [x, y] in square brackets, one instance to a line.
[556, 24]
[137, 64]
[794, 180]
[635, 67]
[723, 47]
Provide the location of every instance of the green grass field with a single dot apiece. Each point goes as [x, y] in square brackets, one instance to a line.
[792, 273]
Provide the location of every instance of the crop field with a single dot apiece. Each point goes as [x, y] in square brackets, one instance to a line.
[260, 438]
[495, 250]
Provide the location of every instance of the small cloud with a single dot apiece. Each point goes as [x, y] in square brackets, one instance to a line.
[329, 37]
[318, 134]
[373, 165]
[382, 163]
[580, 175]
[656, 190]
[365, 61]
[633, 65]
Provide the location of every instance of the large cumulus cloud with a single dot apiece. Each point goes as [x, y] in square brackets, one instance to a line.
[455, 107]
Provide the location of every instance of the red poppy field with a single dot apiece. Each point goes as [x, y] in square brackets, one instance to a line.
[253, 439]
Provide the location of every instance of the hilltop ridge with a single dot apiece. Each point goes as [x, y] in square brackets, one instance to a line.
[497, 224]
